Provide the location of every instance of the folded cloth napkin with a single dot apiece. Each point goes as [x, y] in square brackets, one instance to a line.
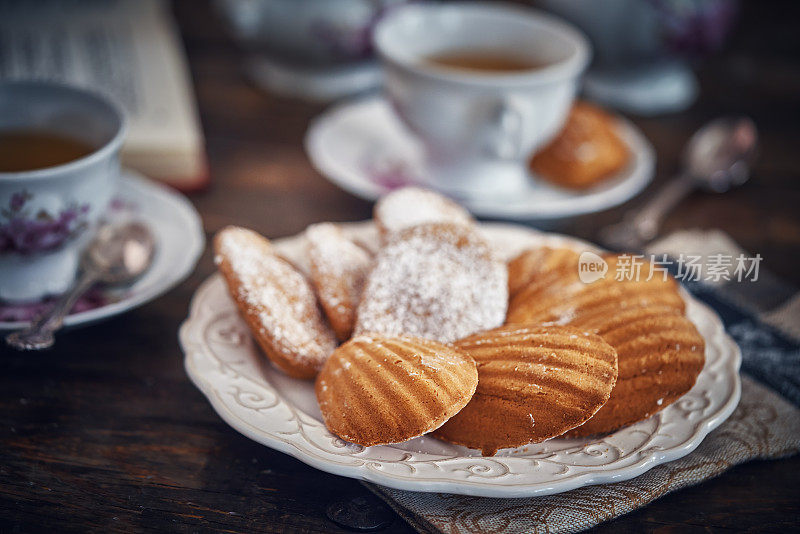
[764, 425]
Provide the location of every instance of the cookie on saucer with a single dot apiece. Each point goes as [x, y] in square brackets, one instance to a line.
[586, 152]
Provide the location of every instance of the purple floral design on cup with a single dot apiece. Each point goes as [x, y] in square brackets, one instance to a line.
[26, 231]
[118, 209]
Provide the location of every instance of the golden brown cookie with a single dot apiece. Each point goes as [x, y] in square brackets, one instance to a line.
[639, 312]
[536, 261]
[377, 389]
[411, 206]
[339, 269]
[275, 300]
[439, 281]
[587, 151]
[558, 295]
[660, 354]
[534, 383]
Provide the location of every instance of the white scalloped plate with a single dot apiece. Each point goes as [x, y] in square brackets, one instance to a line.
[280, 412]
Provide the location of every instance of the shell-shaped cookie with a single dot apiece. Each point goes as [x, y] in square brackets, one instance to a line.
[534, 383]
[525, 267]
[558, 295]
[660, 354]
[411, 206]
[438, 281]
[339, 270]
[275, 300]
[587, 151]
[377, 389]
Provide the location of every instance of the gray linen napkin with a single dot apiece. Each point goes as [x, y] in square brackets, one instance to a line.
[764, 425]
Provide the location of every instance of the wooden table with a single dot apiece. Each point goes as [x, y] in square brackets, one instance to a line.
[105, 432]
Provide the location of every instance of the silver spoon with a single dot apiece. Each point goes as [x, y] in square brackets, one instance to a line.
[118, 254]
[716, 158]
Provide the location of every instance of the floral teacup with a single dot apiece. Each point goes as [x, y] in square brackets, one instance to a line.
[46, 215]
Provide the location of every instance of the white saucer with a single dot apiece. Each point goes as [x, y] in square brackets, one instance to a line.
[362, 147]
[282, 413]
[180, 240]
[320, 84]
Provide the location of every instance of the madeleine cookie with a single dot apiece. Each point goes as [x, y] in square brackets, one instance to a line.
[640, 314]
[534, 383]
[339, 269]
[438, 281]
[660, 354]
[586, 152]
[558, 295]
[276, 301]
[376, 390]
[411, 206]
[523, 269]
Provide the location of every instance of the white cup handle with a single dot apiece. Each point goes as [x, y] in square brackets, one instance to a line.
[504, 140]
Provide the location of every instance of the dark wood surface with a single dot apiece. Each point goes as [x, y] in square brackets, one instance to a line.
[105, 433]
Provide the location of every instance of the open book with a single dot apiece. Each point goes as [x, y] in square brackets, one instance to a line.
[127, 48]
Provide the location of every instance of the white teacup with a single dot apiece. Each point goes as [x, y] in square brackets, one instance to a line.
[479, 127]
[46, 215]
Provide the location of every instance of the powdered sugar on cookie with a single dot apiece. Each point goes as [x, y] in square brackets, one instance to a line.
[339, 269]
[411, 206]
[436, 281]
[276, 300]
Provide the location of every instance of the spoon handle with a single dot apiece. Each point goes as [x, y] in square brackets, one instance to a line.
[41, 333]
[641, 225]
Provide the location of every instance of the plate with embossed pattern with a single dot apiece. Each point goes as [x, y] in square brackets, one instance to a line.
[280, 412]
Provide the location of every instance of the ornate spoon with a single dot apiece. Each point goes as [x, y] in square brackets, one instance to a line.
[118, 254]
[716, 158]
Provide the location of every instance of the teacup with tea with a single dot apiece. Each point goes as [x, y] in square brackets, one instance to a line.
[59, 167]
[482, 85]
